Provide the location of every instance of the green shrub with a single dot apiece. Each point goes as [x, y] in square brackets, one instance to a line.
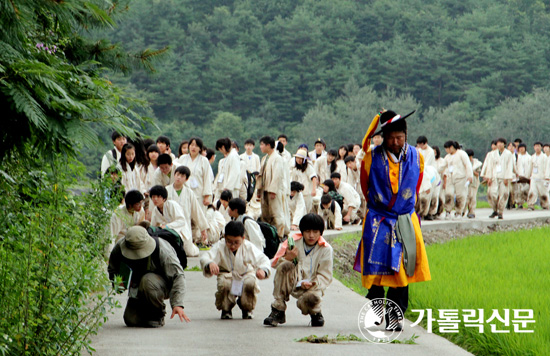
[54, 292]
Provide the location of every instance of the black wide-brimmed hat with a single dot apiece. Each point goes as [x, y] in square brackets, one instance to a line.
[389, 118]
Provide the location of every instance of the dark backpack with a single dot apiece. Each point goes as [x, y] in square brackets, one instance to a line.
[271, 238]
[251, 179]
[337, 198]
[174, 241]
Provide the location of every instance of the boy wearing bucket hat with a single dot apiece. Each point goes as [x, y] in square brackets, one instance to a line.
[156, 275]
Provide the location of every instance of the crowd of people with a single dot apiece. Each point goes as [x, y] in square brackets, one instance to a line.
[172, 197]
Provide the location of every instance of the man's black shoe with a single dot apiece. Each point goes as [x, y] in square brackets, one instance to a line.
[493, 215]
[226, 314]
[500, 216]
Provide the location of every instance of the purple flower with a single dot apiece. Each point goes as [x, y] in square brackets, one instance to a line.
[39, 45]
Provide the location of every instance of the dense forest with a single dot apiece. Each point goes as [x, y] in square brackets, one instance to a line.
[473, 70]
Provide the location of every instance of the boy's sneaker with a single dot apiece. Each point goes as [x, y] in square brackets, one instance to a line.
[275, 318]
[500, 216]
[493, 215]
[317, 319]
[247, 314]
[226, 314]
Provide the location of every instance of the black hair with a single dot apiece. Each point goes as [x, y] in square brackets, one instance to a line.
[238, 204]
[537, 143]
[347, 152]
[500, 139]
[325, 199]
[198, 142]
[334, 154]
[282, 136]
[184, 171]
[234, 229]
[141, 154]
[153, 148]
[522, 145]
[302, 166]
[164, 139]
[147, 143]
[164, 158]
[494, 142]
[350, 147]
[518, 140]
[450, 143]
[330, 184]
[312, 221]
[349, 159]
[123, 162]
[250, 142]
[422, 139]
[280, 147]
[358, 144]
[184, 142]
[546, 144]
[470, 152]
[235, 144]
[223, 142]
[115, 135]
[160, 191]
[336, 175]
[437, 152]
[226, 195]
[296, 186]
[268, 140]
[132, 197]
[210, 153]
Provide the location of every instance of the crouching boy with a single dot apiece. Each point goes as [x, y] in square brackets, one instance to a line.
[304, 270]
[237, 263]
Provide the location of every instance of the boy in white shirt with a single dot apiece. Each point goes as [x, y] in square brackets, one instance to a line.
[352, 201]
[112, 157]
[331, 212]
[304, 270]
[126, 216]
[237, 263]
[168, 215]
[164, 174]
[252, 231]
[196, 224]
[251, 159]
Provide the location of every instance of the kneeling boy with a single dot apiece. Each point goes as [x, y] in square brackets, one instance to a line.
[237, 263]
[304, 270]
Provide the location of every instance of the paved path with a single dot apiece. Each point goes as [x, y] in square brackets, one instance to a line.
[206, 334]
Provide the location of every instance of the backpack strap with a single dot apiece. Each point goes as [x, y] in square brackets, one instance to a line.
[332, 207]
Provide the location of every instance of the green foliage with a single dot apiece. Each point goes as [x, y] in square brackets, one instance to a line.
[53, 288]
[329, 65]
[51, 83]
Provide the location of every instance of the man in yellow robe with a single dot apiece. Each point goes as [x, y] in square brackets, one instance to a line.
[391, 252]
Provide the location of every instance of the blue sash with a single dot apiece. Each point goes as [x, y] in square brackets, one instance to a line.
[382, 251]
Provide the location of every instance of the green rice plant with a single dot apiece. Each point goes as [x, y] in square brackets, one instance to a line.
[497, 271]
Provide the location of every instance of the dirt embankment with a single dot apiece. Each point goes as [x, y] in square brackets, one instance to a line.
[344, 251]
